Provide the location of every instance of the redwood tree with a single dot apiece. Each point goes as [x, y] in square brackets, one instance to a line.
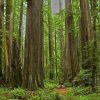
[33, 66]
[51, 62]
[88, 41]
[71, 63]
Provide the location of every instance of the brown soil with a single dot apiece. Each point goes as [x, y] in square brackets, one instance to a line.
[62, 91]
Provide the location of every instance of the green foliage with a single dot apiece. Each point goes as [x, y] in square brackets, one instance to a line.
[46, 95]
[81, 91]
[6, 94]
[49, 94]
[82, 94]
[84, 78]
[83, 75]
[50, 84]
[17, 93]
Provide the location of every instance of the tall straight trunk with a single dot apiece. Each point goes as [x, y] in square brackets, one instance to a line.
[8, 15]
[11, 68]
[94, 69]
[11, 78]
[88, 40]
[71, 63]
[1, 32]
[5, 59]
[20, 23]
[19, 46]
[5, 48]
[56, 62]
[85, 33]
[16, 77]
[51, 65]
[33, 66]
[61, 41]
[42, 75]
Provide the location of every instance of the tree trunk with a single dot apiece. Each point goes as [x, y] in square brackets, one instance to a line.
[94, 68]
[71, 63]
[61, 41]
[8, 15]
[33, 66]
[88, 40]
[1, 32]
[51, 65]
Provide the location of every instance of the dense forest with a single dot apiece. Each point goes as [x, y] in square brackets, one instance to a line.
[49, 50]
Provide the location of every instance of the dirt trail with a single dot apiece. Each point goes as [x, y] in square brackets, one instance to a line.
[62, 91]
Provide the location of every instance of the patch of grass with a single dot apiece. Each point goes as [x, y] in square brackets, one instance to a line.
[5, 94]
[82, 94]
[50, 84]
[19, 93]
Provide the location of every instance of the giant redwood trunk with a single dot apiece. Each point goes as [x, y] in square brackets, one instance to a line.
[85, 33]
[33, 66]
[71, 63]
[88, 40]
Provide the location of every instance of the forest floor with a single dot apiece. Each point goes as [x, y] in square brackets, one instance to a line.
[62, 91]
[49, 92]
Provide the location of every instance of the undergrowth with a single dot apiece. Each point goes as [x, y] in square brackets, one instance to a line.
[48, 93]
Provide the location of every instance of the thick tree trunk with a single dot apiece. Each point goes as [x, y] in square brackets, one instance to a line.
[88, 40]
[33, 66]
[71, 63]
[85, 33]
